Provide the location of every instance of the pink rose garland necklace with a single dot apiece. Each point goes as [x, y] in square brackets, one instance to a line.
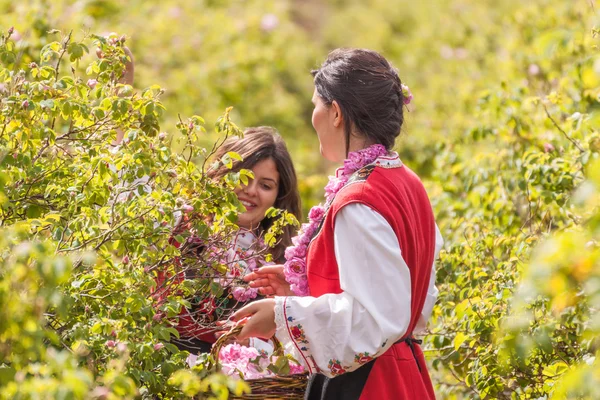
[295, 266]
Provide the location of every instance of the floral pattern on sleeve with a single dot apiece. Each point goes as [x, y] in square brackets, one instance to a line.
[335, 366]
[298, 334]
[363, 358]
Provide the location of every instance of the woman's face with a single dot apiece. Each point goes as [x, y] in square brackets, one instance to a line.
[327, 122]
[260, 193]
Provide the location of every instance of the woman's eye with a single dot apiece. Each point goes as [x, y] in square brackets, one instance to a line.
[266, 187]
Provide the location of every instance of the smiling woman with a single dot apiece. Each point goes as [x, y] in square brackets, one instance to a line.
[259, 194]
[275, 184]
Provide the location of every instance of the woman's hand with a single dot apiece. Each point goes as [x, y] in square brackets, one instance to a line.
[270, 281]
[260, 321]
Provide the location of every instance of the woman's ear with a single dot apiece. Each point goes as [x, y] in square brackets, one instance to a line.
[338, 119]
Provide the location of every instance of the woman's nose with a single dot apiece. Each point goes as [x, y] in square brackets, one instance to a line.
[250, 188]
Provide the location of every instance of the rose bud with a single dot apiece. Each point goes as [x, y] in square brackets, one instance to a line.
[548, 147]
[158, 346]
[162, 136]
[157, 317]
[126, 260]
[25, 104]
[99, 53]
[110, 343]
[92, 83]
[11, 30]
[191, 126]
[121, 347]
[187, 208]
[16, 36]
[113, 333]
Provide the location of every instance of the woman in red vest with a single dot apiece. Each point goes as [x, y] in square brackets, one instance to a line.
[361, 272]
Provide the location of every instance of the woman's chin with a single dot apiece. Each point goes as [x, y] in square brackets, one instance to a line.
[246, 223]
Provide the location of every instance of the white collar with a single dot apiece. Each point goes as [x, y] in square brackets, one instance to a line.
[391, 160]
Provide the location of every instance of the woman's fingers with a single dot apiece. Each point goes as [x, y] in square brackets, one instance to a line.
[266, 291]
[262, 322]
[250, 277]
[270, 269]
[244, 312]
[261, 282]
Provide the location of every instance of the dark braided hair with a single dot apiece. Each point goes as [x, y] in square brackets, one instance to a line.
[368, 90]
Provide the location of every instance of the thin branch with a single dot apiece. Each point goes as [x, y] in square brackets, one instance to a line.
[581, 149]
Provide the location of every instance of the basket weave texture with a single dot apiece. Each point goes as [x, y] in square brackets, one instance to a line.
[290, 387]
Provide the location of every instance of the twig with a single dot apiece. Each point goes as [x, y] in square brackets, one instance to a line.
[562, 130]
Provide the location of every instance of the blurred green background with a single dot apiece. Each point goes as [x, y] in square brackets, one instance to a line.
[257, 55]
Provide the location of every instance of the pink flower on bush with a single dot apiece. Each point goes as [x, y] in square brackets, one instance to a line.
[110, 344]
[158, 346]
[243, 294]
[92, 83]
[269, 22]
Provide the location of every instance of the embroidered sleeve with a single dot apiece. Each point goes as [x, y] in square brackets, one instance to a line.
[337, 333]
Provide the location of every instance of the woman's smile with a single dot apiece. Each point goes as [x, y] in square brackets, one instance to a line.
[259, 194]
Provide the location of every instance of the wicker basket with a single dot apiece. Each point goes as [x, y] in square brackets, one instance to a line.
[290, 387]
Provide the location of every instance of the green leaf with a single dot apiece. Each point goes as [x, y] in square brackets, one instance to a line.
[459, 339]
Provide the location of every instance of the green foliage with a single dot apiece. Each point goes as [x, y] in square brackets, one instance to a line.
[86, 227]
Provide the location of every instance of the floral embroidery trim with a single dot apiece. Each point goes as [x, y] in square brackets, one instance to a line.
[363, 358]
[295, 266]
[335, 367]
[298, 334]
[302, 349]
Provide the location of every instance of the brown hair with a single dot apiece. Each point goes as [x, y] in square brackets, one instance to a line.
[259, 144]
[368, 91]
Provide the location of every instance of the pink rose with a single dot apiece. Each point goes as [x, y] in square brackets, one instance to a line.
[290, 252]
[269, 22]
[244, 294]
[295, 266]
[296, 369]
[300, 286]
[110, 344]
[158, 346]
[92, 83]
[316, 213]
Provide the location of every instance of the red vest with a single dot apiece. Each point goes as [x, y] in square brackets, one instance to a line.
[398, 195]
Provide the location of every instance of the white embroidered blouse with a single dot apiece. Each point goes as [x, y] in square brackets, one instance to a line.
[374, 307]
